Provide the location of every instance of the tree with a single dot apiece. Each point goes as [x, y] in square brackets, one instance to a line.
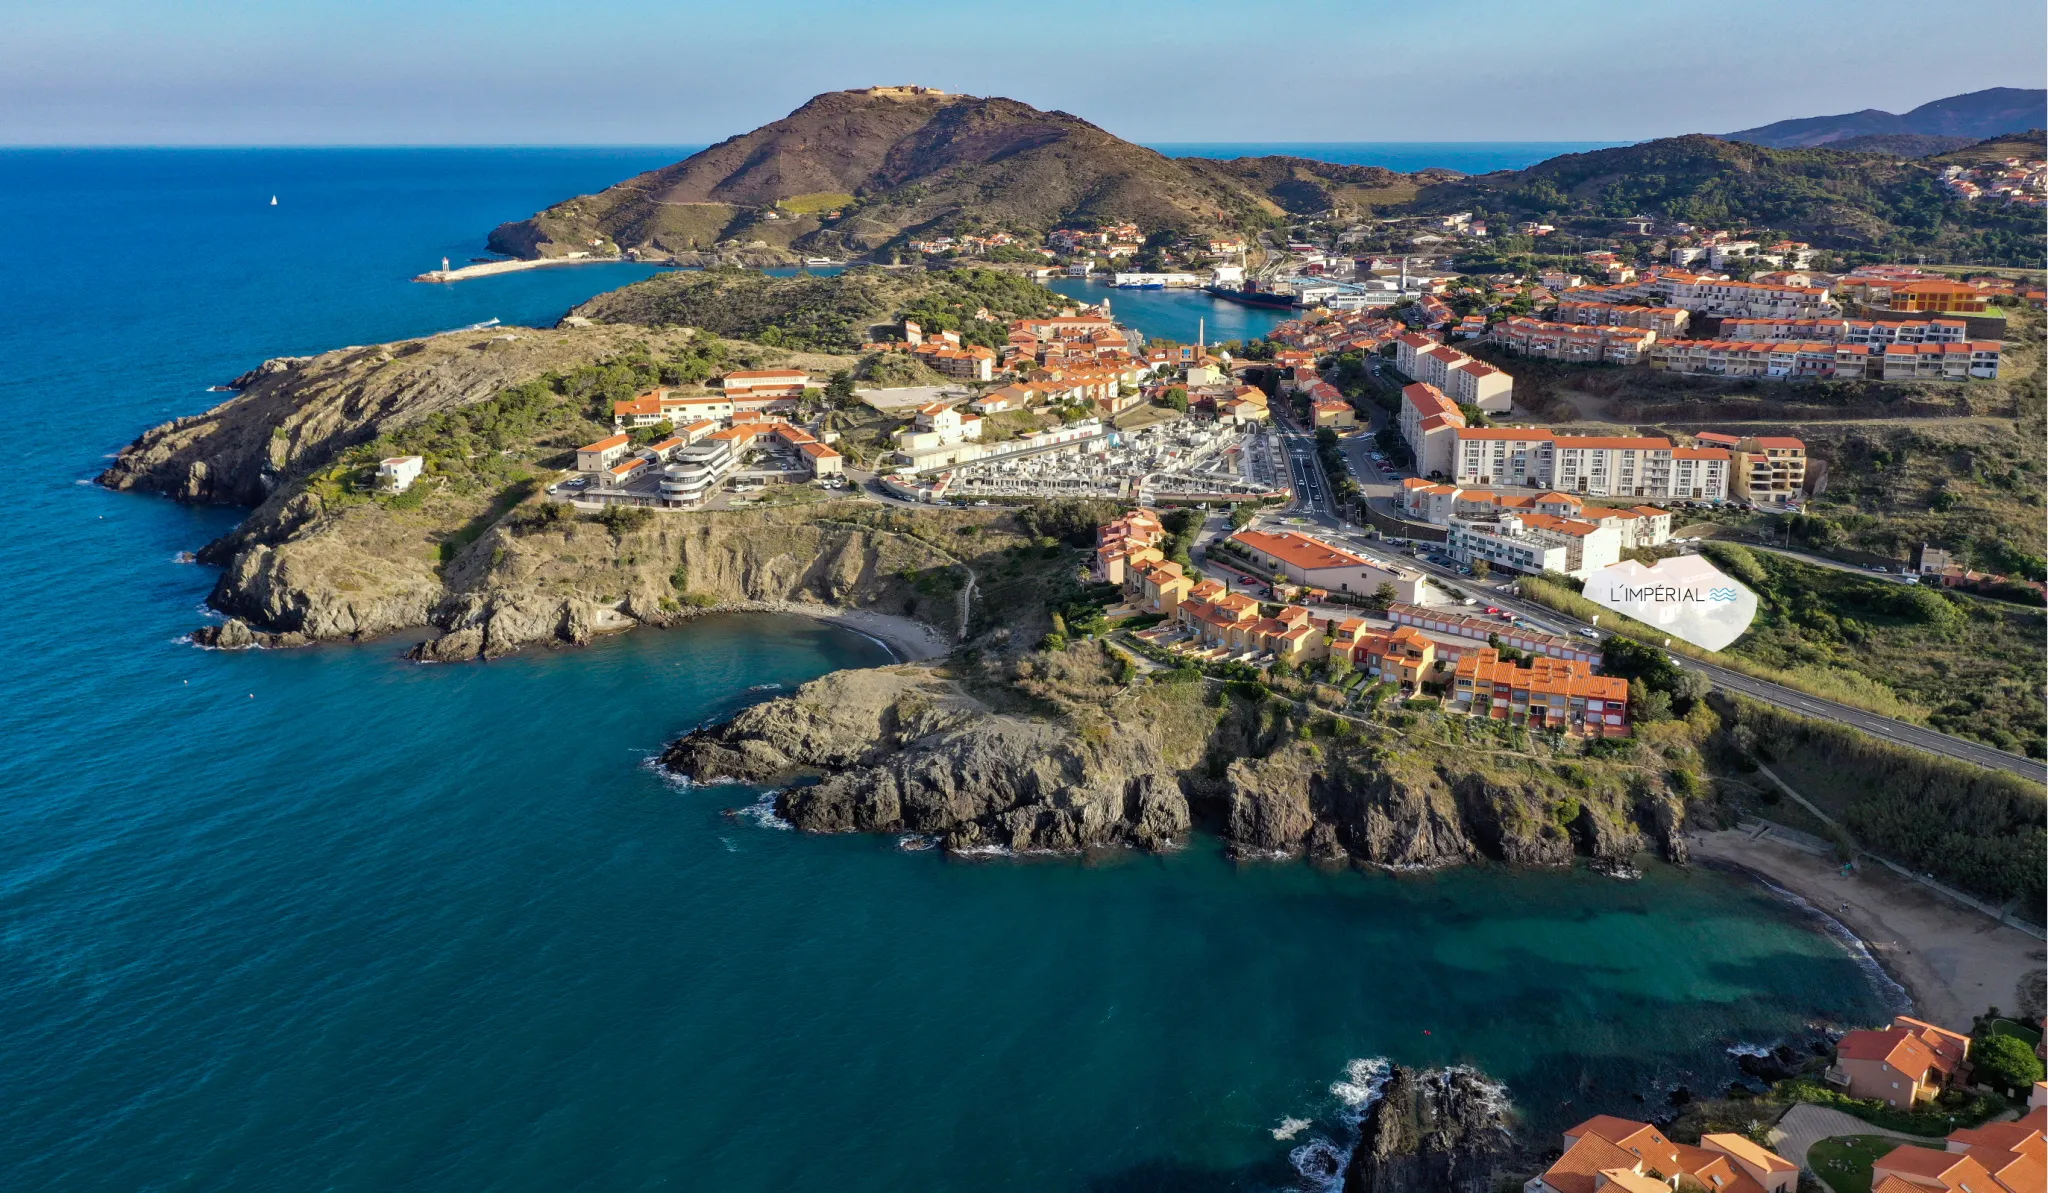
[1176, 397]
[2005, 1062]
[1481, 569]
[1383, 596]
[839, 390]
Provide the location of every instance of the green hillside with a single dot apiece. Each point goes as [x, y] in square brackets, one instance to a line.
[1845, 201]
[828, 314]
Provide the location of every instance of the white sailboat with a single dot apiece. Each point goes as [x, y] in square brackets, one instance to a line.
[273, 200]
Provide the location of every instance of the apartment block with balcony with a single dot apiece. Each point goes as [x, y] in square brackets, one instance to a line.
[1555, 694]
[1770, 469]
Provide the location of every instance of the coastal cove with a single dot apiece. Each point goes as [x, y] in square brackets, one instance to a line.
[272, 913]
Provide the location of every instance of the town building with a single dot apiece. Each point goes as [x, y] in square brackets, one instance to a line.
[1487, 630]
[1917, 293]
[1503, 456]
[1575, 343]
[1902, 1065]
[1665, 321]
[756, 388]
[596, 457]
[1125, 542]
[1331, 410]
[1606, 1152]
[1831, 360]
[1429, 423]
[695, 470]
[1583, 465]
[1311, 561]
[1234, 623]
[1848, 331]
[1464, 380]
[1998, 1157]
[1770, 469]
[1534, 543]
[1556, 694]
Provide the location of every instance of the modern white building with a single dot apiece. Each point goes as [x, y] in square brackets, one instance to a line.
[695, 470]
[1534, 543]
[397, 473]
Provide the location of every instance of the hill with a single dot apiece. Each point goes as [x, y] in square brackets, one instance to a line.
[1902, 144]
[853, 171]
[1833, 200]
[830, 314]
[2033, 143]
[1976, 115]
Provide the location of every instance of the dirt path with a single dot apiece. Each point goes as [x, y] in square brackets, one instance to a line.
[1952, 961]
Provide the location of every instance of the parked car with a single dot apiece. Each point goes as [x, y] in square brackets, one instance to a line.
[1880, 568]
[1493, 610]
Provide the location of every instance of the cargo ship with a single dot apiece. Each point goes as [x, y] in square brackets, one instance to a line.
[1250, 295]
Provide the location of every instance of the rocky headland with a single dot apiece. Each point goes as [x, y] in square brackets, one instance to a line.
[1003, 745]
[1055, 751]
[1432, 1131]
[475, 553]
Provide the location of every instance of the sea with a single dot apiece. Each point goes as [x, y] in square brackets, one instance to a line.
[286, 920]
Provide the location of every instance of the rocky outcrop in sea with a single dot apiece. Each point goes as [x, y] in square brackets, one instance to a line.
[1053, 756]
[1432, 1131]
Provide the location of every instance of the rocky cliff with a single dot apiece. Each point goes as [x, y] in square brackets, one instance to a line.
[1051, 751]
[1434, 1131]
[294, 414]
[474, 551]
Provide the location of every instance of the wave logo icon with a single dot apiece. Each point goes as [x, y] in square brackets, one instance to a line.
[1686, 597]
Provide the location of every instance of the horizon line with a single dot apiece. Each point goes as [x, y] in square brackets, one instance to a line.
[200, 145]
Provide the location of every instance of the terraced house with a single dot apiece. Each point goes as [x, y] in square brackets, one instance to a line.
[1554, 694]
[2002, 1157]
[1630, 1157]
[1575, 343]
[1831, 360]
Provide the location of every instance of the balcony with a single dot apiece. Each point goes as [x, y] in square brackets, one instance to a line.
[1836, 1075]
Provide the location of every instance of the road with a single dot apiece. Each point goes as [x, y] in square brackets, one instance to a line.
[1904, 733]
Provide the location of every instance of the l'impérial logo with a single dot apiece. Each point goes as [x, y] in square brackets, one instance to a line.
[1685, 597]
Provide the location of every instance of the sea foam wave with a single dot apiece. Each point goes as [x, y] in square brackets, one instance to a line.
[1894, 995]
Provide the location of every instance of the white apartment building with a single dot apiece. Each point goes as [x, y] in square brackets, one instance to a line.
[1534, 543]
[1511, 456]
[1587, 465]
[1429, 423]
[1464, 380]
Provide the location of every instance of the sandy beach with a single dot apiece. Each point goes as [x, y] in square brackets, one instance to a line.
[910, 640]
[1954, 962]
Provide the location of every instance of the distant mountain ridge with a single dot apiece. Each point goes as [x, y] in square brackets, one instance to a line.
[1859, 202]
[1976, 115]
[862, 174]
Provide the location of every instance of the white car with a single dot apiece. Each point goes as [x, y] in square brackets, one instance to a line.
[1586, 633]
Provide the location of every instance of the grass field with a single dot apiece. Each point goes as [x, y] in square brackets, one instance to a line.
[1975, 664]
[1844, 1161]
[811, 204]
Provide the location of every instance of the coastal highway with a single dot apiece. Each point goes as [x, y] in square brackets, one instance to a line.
[1905, 733]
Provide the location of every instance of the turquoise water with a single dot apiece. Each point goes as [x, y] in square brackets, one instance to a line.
[328, 919]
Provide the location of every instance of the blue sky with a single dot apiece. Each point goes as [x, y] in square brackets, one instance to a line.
[640, 72]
